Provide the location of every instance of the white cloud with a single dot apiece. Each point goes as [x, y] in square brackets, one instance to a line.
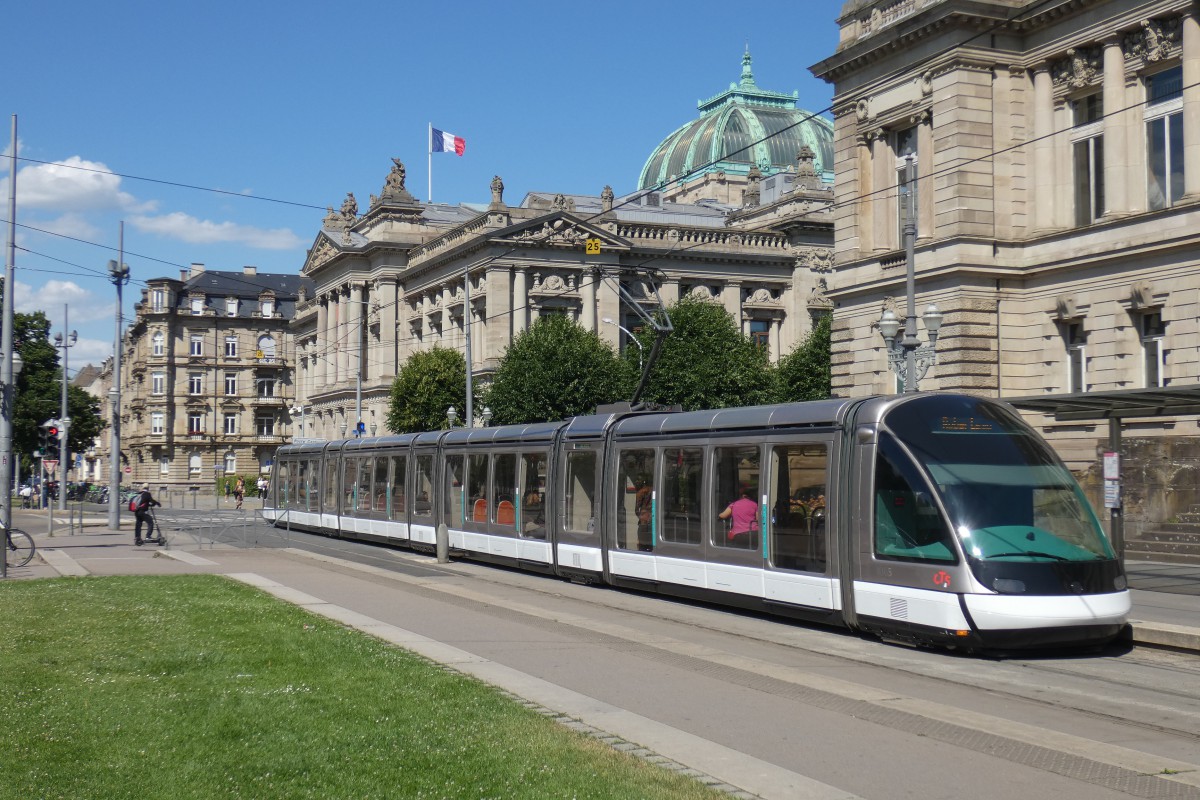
[89, 351]
[187, 228]
[73, 225]
[73, 185]
[82, 304]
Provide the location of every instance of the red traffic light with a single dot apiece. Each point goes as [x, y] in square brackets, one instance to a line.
[52, 431]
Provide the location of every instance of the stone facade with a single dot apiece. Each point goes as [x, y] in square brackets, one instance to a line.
[207, 379]
[394, 281]
[1057, 148]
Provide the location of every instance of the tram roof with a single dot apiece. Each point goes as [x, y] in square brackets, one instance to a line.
[533, 432]
[813, 414]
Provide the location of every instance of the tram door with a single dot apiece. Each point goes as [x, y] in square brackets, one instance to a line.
[577, 532]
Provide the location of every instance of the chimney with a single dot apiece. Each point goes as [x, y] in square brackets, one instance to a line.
[249, 270]
[196, 269]
[183, 274]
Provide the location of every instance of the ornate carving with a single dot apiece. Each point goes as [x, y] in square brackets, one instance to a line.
[861, 110]
[1066, 307]
[322, 252]
[752, 194]
[818, 260]
[700, 292]
[606, 199]
[1155, 41]
[553, 283]
[497, 191]
[1080, 68]
[393, 185]
[761, 296]
[562, 203]
[926, 83]
[818, 300]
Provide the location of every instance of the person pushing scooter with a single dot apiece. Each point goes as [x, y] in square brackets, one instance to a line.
[145, 501]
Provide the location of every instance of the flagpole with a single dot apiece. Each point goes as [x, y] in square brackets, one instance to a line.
[429, 169]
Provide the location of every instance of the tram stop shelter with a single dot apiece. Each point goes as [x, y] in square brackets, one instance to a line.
[1114, 406]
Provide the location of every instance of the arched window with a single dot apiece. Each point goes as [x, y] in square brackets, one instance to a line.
[266, 347]
[159, 343]
[230, 463]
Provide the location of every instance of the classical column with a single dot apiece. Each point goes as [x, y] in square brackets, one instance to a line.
[925, 170]
[883, 192]
[1116, 151]
[1191, 105]
[731, 298]
[341, 335]
[320, 356]
[1043, 150]
[773, 340]
[669, 292]
[520, 300]
[863, 200]
[391, 323]
[354, 332]
[587, 294]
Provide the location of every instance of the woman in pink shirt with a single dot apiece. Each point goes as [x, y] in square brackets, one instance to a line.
[744, 514]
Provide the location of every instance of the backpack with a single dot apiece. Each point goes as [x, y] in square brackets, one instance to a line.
[133, 502]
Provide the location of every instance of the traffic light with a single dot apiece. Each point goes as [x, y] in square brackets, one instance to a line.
[52, 433]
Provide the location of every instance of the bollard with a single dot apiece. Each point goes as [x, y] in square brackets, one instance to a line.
[443, 544]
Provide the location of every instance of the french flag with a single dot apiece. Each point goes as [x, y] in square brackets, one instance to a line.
[442, 142]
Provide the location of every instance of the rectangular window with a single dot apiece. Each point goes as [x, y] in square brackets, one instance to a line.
[636, 500]
[1076, 340]
[231, 383]
[1089, 180]
[532, 510]
[231, 306]
[477, 488]
[231, 343]
[1153, 332]
[381, 489]
[195, 462]
[329, 488]
[157, 420]
[230, 463]
[423, 487]
[231, 423]
[196, 345]
[196, 383]
[164, 465]
[906, 183]
[265, 426]
[399, 472]
[683, 470]
[349, 485]
[504, 490]
[266, 387]
[195, 424]
[579, 493]
[736, 497]
[158, 383]
[800, 475]
[197, 306]
[455, 497]
[268, 308]
[1164, 137]
[760, 333]
[157, 299]
[908, 525]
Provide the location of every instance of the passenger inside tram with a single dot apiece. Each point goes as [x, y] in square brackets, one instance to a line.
[742, 514]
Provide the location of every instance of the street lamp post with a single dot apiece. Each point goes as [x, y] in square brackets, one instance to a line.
[64, 342]
[487, 416]
[299, 409]
[8, 355]
[628, 335]
[451, 415]
[118, 272]
[9, 390]
[907, 357]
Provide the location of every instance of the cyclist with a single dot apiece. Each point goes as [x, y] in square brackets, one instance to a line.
[142, 513]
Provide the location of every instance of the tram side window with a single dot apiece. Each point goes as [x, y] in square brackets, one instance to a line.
[314, 485]
[797, 500]
[532, 508]
[281, 487]
[299, 499]
[349, 486]
[635, 506]
[908, 526]
[682, 479]
[477, 488]
[738, 470]
[423, 488]
[379, 489]
[396, 510]
[580, 492]
[504, 489]
[454, 490]
[364, 500]
[329, 501]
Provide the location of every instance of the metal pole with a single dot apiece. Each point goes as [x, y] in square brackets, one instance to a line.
[470, 421]
[6, 348]
[119, 274]
[64, 422]
[910, 322]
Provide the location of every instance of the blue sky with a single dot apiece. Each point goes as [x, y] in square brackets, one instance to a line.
[305, 101]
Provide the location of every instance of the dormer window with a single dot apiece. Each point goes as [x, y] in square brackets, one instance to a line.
[157, 299]
[231, 306]
[268, 307]
[197, 306]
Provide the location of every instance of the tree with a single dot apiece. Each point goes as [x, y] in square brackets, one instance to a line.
[555, 370]
[707, 362]
[429, 383]
[804, 374]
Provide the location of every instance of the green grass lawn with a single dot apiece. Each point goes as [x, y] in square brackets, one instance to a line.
[178, 687]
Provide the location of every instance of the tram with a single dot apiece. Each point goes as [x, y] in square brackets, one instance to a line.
[930, 519]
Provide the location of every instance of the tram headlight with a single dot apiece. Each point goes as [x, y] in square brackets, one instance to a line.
[1120, 584]
[1008, 586]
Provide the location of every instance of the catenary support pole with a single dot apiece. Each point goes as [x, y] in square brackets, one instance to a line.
[6, 348]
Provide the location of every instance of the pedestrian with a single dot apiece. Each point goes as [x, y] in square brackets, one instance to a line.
[26, 496]
[239, 491]
[228, 489]
[142, 514]
[743, 516]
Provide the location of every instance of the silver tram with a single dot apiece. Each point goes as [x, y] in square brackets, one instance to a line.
[936, 519]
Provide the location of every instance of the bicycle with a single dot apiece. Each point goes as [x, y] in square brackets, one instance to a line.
[20, 549]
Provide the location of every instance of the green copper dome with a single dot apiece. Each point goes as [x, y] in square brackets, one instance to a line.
[721, 139]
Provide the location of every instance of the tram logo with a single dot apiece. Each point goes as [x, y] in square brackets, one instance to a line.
[941, 579]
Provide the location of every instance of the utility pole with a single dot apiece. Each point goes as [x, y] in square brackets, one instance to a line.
[66, 342]
[118, 272]
[6, 349]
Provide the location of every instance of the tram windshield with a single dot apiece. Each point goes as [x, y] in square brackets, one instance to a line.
[1008, 496]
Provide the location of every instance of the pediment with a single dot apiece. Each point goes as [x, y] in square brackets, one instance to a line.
[562, 229]
[324, 250]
